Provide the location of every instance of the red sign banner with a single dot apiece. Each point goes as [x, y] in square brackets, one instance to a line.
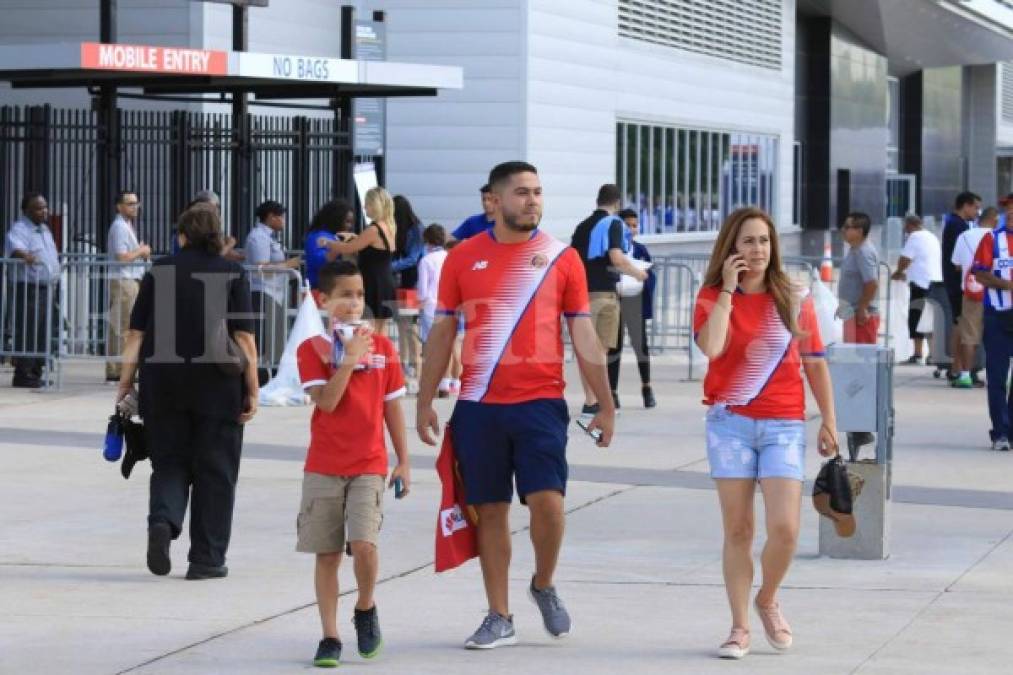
[148, 59]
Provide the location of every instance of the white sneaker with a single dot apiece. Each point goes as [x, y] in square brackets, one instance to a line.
[1001, 445]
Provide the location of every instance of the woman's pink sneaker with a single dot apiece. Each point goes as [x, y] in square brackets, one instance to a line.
[736, 646]
[777, 629]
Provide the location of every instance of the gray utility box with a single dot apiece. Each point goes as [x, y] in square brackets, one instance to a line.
[863, 396]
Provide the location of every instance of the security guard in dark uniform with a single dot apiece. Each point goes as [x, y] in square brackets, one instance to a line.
[191, 330]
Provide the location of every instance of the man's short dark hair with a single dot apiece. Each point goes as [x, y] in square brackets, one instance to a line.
[485, 189]
[30, 197]
[270, 208]
[608, 194]
[628, 213]
[862, 220]
[503, 172]
[990, 213]
[121, 196]
[435, 235]
[330, 272]
[965, 198]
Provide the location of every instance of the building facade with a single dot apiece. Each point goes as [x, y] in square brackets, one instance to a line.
[808, 108]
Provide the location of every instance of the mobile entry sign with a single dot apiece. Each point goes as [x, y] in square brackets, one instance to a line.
[151, 59]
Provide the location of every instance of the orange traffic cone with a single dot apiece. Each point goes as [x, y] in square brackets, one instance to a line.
[827, 266]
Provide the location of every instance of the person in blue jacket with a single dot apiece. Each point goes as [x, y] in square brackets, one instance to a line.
[332, 220]
[634, 312]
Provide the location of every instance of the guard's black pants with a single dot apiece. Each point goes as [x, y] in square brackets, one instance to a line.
[33, 328]
[631, 312]
[194, 457]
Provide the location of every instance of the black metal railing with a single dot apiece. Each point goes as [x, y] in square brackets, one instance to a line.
[76, 159]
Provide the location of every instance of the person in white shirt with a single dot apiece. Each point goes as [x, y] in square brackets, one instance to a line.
[434, 238]
[126, 255]
[921, 265]
[971, 322]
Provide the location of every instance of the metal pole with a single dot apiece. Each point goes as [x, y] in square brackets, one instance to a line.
[343, 158]
[380, 163]
[108, 158]
[240, 210]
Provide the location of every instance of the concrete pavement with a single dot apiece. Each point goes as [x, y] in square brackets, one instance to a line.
[640, 569]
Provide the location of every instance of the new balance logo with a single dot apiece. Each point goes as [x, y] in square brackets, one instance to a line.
[480, 265]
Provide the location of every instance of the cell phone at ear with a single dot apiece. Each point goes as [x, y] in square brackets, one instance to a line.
[596, 434]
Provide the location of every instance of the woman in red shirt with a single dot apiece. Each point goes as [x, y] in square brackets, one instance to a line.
[759, 332]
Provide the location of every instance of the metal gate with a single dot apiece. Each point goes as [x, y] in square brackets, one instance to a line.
[167, 156]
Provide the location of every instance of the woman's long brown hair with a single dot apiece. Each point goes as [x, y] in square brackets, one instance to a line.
[780, 287]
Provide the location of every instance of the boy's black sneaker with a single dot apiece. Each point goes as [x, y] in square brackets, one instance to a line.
[590, 410]
[367, 630]
[648, 395]
[328, 653]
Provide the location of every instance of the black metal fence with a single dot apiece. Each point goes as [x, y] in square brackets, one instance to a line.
[76, 161]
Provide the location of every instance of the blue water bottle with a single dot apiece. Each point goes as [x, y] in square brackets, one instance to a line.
[113, 448]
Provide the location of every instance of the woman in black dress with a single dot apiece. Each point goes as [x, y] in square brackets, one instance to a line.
[375, 248]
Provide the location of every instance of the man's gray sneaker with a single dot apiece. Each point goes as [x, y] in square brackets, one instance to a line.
[1000, 444]
[554, 614]
[496, 630]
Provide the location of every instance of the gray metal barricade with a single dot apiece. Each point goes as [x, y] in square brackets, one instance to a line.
[83, 324]
[89, 321]
[273, 289]
[671, 328]
[29, 311]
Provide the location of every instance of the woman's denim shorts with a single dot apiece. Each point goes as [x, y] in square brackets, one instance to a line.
[743, 447]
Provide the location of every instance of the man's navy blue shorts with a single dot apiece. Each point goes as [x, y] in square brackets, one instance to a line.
[496, 443]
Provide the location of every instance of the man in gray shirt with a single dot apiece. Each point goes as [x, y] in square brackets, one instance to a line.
[856, 292]
[36, 288]
[125, 272]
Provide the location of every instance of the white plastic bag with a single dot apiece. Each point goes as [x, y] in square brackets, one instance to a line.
[627, 286]
[286, 387]
[831, 328]
[927, 321]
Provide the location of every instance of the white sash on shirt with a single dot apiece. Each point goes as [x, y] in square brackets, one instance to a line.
[1002, 267]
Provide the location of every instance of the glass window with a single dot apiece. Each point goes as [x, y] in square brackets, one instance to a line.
[689, 180]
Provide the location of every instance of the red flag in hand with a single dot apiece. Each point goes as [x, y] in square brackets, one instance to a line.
[456, 536]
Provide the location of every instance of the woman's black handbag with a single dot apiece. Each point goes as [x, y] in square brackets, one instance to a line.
[833, 496]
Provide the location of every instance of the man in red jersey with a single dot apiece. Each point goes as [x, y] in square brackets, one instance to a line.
[513, 284]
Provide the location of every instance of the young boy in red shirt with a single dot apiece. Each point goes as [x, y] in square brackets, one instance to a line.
[354, 378]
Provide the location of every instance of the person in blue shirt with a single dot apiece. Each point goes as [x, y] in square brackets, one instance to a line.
[331, 222]
[479, 222]
[634, 312]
